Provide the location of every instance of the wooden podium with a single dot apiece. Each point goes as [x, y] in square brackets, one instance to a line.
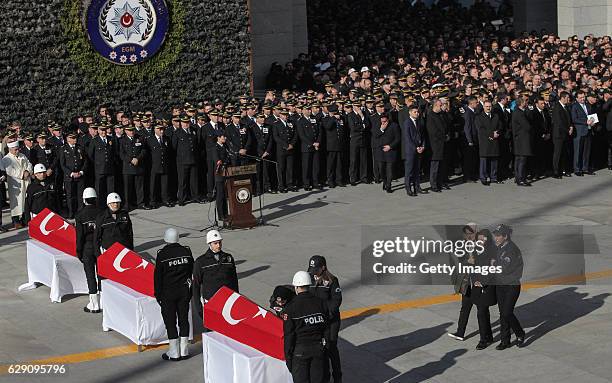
[239, 191]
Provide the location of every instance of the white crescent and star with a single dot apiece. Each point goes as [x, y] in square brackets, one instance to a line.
[229, 304]
[119, 258]
[45, 221]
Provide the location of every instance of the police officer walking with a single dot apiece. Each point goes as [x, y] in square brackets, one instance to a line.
[327, 287]
[172, 286]
[306, 330]
[85, 222]
[211, 271]
[508, 286]
[113, 225]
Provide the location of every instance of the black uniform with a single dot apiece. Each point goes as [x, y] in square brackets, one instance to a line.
[184, 143]
[437, 133]
[238, 137]
[335, 145]
[522, 132]
[159, 150]
[330, 292]
[508, 289]
[284, 135]
[374, 128]
[221, 159]
[306, 329]
[85, 222]
[111, 229]
[212, 271]
[73, 160]
[172, 284]
[133, 175]
[103, 156]
[208, 135]
[309, 134]
[264, 142]
[359, 130]
[39, 195]
[46, 156]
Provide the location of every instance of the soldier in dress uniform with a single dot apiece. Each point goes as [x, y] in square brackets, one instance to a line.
[184, 142]
[238, 140]
[359, 131]
[208, 135]
[335, 144]
[310, 143]
[103, 155]
[285, 138]
[221, 159]
[263, 143]
[132, 153]
[158, 146]
[73, 161]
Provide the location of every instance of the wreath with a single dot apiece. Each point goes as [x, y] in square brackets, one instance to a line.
[103, 71]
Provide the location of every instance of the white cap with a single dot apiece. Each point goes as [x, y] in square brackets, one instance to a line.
[171, 236]
[12, 145]
[113, 197]
[89, 193]
[213, 236]
[302, 278]
[352, 70]
[39, 168]
[365, 69]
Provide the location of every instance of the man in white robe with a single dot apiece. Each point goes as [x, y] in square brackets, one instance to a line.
[18, 170]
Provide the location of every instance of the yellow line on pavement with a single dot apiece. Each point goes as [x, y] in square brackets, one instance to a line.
[112, 352]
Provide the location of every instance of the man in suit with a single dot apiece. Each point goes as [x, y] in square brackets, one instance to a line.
[437, 133]
[413, 147]
[263, 146]
[132, 152]
[584, 134]
[470, 147]
[562, 131]
[522, 133]
[489, 133]
[103, 155]
[359, 128]
[158, 147]
[502, 111]
[388, 138]
[541, 121]
[335, 144]
[184, 143]
[285, 138]
[73, 161]
[310, 142]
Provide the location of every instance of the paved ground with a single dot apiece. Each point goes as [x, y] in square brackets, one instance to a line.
[569, 330]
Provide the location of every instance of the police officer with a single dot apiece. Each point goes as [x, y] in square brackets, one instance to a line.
[238, 139]
[327, 287]
[102, 154]
[264, 142]
[172, 286]
[285, 137]
[113, 225]
[184, 143]
[85, 222]
[306, 329]
[213, 270]
[508, 286]
[40, 194]
[133, 153]
[158, 146]
[310, 140]
[221, 159]
[73, 161]
[335, 145]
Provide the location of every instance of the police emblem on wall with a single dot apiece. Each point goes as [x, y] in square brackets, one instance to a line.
[127, 32]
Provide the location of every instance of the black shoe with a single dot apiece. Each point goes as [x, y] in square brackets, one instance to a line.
[420, 191]
[523, 183]
[498, 182]
[579, 174]
[557, 176]
[485, 182]
[411, 193]
[482, 345]
[610, 167]
[154, 205]
[445, 187]
[436, 190]
[353, 183]
[169, 204]
[284, 190]
[332, 186]
[502, 346]
[591, 173]
[520, 341]
[567, 174]
[380, 181]
[389, 190]
[366, 182]
[342, 185]
[144, 207]
[320, 186]
[181, 203]
[308, 188]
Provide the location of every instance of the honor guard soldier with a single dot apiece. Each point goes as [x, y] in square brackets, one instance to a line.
[172, 286]
[211, 271]
[113, 225]
[184, 143]
[285, 137]
[102, 153]
[40, 194]
[132, 153]
[158, 147]
[306, 329]
[508, 286]
[310, 141]
[238, 140]
[85, 222]
[73, 161]
[264, 142]
[327, 287]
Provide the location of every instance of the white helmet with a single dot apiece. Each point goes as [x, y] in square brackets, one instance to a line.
[113, 197]
[302, 278]
[89, 193]
[171, 236]
[213, 236]
[39, 168]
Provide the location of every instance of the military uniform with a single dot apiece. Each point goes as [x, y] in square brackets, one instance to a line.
[238, 138]
[159, 149]
[184, 143]
[72, 160]
[263, 144]
[284, 135]
[85, 223]
[133, 175]
[221, 159]
[335, 145]
[103, 155]
[309, 134]
[359, 130]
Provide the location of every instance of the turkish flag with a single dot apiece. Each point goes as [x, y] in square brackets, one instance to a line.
[124, 266]
[239, 318]
[51, 229]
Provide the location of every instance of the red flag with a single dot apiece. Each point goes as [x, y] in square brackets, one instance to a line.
[51, 229]
[124, 266]
[237, 317]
